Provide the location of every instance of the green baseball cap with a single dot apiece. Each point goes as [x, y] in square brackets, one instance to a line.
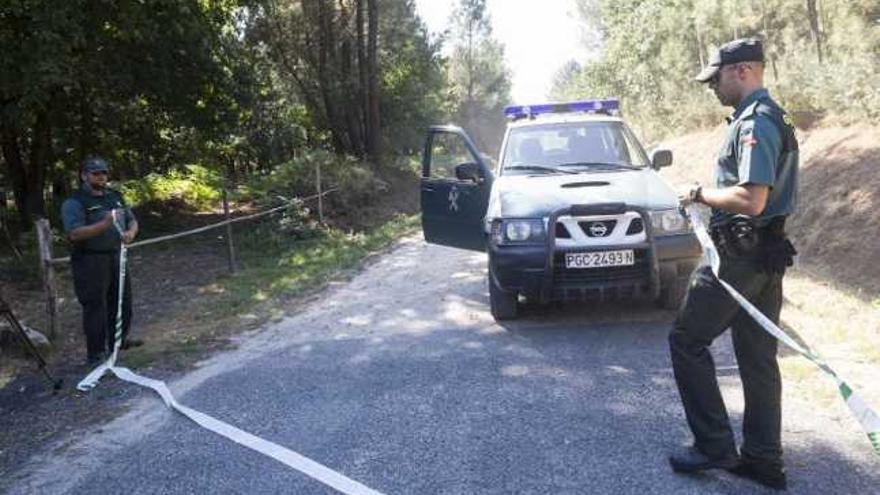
[95, 164]
[733, 52]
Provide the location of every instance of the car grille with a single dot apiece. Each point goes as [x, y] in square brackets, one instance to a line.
[562, 232]
[635, 227]
[607, 226]
[593, 232]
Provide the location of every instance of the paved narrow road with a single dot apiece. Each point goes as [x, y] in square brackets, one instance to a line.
[401, 380]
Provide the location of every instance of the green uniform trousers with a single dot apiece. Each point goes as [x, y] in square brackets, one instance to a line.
[706, 312]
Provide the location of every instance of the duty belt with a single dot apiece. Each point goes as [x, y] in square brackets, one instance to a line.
[765, 245]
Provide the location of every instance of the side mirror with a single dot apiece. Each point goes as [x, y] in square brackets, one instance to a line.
[661, 158]
[468, 171]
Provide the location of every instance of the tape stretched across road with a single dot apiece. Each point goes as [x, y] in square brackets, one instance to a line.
[281, 454]
[867, 418]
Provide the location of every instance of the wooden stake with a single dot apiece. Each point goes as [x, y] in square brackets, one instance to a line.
[320, 194]
[229, 242]
[44, 238]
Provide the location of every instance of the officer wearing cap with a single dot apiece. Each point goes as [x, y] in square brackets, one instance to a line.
[88, 217]
[755, 190]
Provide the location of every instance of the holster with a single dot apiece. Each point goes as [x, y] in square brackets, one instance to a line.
[767, 246]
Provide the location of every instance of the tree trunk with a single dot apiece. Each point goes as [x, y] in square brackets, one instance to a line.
[326, 59]
[768, 40]
[17, 173]
[364, 105]
[41, 151]
[813, 16]
[374, 137]
[349, 83]
[699, 44]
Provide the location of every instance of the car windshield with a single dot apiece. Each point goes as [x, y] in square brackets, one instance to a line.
[577, 146]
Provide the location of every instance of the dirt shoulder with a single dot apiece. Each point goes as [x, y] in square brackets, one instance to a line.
[186, 306]
[837, 217]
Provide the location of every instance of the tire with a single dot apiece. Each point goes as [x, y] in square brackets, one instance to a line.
[502, 304]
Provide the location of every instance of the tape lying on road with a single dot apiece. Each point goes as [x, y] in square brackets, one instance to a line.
[281, 454]
[866, 417]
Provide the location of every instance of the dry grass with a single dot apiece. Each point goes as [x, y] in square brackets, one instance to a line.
[842, 328]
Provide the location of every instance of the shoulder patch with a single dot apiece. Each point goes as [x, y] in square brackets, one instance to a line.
[747, 133]
[748, 140]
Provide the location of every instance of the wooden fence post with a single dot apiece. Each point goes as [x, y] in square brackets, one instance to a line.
[44, 238]
[320, 195]
[229, 242]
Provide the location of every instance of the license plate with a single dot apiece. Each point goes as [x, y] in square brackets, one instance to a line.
[600, 259]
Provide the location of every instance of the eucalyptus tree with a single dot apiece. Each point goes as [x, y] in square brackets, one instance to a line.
[479, 80]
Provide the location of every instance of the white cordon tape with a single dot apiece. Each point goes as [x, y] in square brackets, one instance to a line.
[866, 417]
[281, 454]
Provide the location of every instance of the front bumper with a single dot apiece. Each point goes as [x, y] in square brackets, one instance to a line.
[538, 271]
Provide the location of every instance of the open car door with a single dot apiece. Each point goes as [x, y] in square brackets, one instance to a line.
[455, 188]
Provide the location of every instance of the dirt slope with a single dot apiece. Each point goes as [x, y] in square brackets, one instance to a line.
[837, 224]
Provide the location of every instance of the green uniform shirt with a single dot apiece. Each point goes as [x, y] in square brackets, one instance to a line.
[83, 208]
[759, 148]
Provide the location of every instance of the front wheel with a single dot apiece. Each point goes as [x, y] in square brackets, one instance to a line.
[503, 304]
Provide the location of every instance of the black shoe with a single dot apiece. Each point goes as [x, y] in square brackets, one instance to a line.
[691, 460]
[129, 343]
[769, 475]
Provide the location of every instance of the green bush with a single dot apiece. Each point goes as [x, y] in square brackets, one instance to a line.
[196, 187]
[354, 181]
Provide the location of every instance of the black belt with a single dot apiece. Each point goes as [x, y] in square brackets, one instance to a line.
[767, 244]
[77, 252]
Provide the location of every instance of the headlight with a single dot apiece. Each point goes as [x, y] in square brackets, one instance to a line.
[668, 222]
[518, 231]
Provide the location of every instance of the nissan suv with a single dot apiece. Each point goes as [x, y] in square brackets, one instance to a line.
[574, 209]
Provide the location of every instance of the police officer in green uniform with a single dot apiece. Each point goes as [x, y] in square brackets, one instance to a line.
[88, 216]
[755, 190]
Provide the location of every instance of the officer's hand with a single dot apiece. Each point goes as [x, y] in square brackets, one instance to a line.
[691, 195]
[127, 236]
[107, 221]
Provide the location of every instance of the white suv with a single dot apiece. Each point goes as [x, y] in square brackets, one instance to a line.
[574, 209]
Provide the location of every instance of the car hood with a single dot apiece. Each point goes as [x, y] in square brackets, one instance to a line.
[536, 196]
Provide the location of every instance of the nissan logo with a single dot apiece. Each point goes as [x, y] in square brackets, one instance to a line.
[598, 229]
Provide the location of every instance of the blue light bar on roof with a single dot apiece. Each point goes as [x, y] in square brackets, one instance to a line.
[609, 105]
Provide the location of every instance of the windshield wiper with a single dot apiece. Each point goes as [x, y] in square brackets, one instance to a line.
[540, 168]
[625, 166]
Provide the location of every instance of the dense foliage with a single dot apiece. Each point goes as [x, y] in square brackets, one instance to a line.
[236, 87]
[823, 57]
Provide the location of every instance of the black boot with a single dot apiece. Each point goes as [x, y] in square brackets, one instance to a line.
[692, 460]
[768, 474]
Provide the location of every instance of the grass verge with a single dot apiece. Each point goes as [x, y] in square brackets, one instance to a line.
[843, 328]
[274, 270]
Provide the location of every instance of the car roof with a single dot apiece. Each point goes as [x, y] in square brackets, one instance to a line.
[562, 118]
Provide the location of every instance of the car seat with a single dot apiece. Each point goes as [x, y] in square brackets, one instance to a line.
[590, 148]
[531, 151]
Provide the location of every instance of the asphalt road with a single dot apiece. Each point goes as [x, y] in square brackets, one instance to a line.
[401, 380]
